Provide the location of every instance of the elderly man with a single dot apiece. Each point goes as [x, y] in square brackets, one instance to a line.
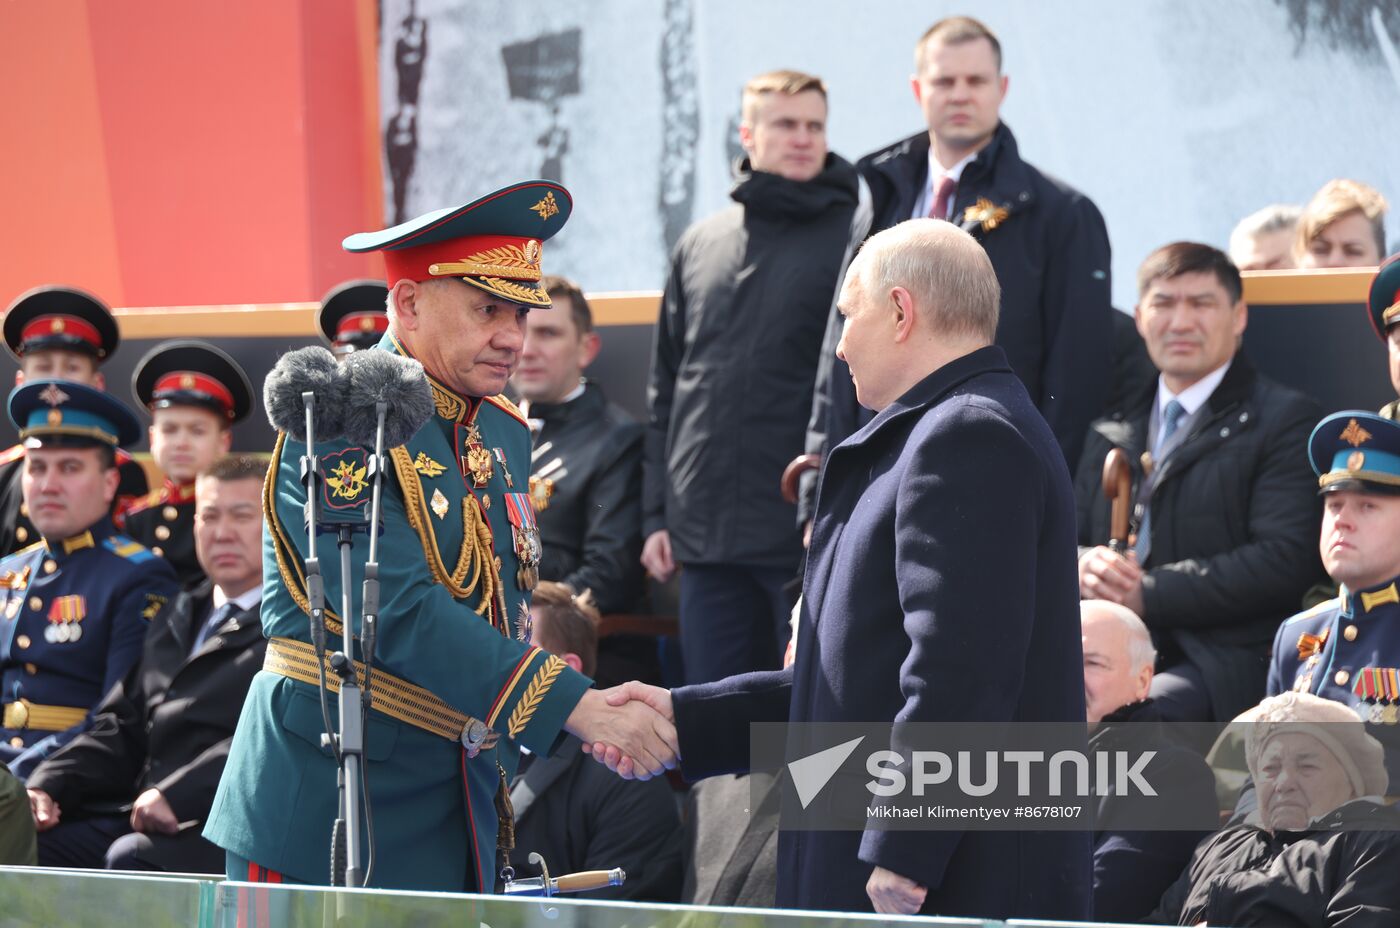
[1263, 240]
[1320, 850]
[74, 606]
[1134, 864]
[457, 690]
[131, 792]
[939, 587]
[1225, 501]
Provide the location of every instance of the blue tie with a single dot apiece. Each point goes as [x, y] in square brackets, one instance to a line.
[206, 631]
[1171, 419]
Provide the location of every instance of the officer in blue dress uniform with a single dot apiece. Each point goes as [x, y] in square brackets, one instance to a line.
[1348, 648]
[352, 316]
[74, 606]
[57, 333]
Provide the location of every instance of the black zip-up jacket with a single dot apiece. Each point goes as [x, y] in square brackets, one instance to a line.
[734, 361]
[1338, 873]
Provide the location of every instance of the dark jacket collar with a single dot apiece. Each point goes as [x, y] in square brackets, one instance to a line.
[585, 405]
[773, 195]
[543, 773]
[998, 173]
[933, 387]
[1129, 429]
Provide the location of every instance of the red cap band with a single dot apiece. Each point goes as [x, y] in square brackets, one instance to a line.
[44, 326]
[194, 382]
[357, 323]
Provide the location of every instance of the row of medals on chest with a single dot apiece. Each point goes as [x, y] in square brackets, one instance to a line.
[1377, 688]
[478, 463]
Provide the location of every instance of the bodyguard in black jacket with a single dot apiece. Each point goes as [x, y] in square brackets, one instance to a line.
[133, 791]
[733, 364]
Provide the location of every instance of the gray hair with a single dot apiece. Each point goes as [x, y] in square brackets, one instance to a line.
[1281, 217]
[943, 268]
[1140, 651]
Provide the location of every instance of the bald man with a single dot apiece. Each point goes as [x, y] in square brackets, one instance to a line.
[1133, 864]
[940, 587]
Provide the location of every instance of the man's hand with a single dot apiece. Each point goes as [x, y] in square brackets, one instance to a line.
[894, 894]
[151, 814]
[656, 555]
[1104, 574]
[639, 740]
[44, 810]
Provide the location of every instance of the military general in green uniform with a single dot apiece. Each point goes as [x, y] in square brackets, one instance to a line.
[458, 555]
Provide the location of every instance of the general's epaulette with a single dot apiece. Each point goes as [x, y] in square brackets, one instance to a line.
[1311, 613]
[11, 454]
[128, 548]
[500, 402]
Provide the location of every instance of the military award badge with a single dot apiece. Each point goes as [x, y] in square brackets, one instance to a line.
[526, 533]
[477, 461]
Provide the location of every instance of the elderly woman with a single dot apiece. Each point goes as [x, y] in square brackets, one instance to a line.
[1321, 850]
[1343, 225]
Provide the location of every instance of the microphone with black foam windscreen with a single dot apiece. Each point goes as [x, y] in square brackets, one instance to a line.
[311, 370]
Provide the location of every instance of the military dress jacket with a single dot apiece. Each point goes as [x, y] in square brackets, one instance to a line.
[73, 616]
[163, 520]
[1348, 650]
[167, 725]
[586, 483]
[453, 622]
[16, 531]
[940, 587]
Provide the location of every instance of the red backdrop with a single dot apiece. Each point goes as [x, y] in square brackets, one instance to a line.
[187, 152]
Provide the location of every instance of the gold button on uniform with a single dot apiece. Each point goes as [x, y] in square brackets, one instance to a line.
[50, 567]
[16, 742]
[31, 669]
[21, 534]
[170, 513]
[36, 603]
[1349, 633]
[24, 509]
[1342, 677]
[22, 641]
[162, 532]
[158, 551]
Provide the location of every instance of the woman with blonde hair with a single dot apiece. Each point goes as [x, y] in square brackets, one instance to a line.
[1343, 225]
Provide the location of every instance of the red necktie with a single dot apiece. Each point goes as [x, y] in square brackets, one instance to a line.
[942, 197]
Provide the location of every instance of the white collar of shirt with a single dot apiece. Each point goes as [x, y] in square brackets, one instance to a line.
[242, 602]
[935, 171]
[569, 397]
[1194, 396]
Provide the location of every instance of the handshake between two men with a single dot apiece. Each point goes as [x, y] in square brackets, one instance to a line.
[629, 728]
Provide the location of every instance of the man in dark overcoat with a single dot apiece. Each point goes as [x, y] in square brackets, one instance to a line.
[940, 587]
[1047, 240]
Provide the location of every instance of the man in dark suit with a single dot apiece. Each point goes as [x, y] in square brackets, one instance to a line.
[940, 587]
[574, 813]
[1226, 504]
[1046, 240]
[132, 793]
